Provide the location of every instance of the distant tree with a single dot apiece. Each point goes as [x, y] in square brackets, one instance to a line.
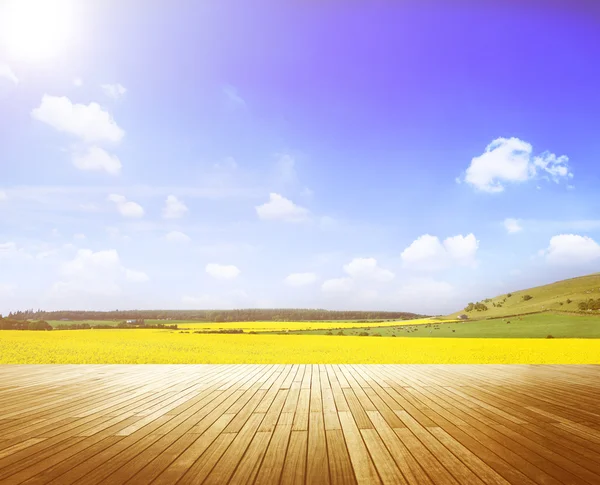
[527, 297]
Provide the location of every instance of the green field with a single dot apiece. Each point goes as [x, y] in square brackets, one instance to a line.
[529, 326]
[112, 323]
[554, 296]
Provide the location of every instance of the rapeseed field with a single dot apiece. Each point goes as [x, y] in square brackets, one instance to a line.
[163, 346]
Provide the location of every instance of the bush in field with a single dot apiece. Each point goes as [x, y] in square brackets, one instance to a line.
[363, 334]
[527, 297]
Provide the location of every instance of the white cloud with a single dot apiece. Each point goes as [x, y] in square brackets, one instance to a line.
[77, 82]
[96, 159]
[300, 279]
[428, 253]
[136, 276]
[174, 208]
[280, 208]
[555, 167]
[367, 269]
[115, 234]
[99, 272]
[10, 251]
[222, 272]
[512, 225]
[337, 285]
[114, 91]
[126, 207]
[571, 249]
[232, 98]
[89, 122]
[7, 73]
[177, 237]
[3, 196]
[509, 160]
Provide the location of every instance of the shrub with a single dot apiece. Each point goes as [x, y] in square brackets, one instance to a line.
[527, 297]
[550, 336]
[363, 334]
[509, 295]
[569, 300]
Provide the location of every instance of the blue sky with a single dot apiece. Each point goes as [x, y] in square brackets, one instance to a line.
[219, 155]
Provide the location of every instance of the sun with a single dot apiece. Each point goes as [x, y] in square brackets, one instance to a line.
[36, 29]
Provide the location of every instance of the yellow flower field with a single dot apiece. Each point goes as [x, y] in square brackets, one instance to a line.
[160, 346]
[283, 326]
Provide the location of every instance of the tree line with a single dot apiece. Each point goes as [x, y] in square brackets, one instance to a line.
[242, 315]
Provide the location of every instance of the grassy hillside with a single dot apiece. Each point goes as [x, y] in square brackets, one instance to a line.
[541, 325]
[552, 297]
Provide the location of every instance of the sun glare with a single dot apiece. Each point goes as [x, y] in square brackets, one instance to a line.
[36, 29]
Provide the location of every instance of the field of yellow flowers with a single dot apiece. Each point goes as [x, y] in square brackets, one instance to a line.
[163, 346]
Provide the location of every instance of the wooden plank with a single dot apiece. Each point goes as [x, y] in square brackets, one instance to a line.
[255, 423]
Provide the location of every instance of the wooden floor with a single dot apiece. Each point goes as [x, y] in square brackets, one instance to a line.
[315, 424]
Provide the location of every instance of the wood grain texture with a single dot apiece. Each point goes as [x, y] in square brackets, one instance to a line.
[299, 424]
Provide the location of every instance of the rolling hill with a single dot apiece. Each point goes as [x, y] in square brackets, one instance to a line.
[561, 296]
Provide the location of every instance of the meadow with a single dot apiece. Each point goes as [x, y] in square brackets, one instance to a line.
[175, 347]
[264, 326]
[541, 325]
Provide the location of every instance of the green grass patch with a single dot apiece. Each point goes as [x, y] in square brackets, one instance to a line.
[540, 325]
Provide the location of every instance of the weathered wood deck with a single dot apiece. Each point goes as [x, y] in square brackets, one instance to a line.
[315, 424]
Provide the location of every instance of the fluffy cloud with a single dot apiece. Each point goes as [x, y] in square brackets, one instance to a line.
[428, 253]
[512, 225]
[300, 279]
[96, 159]
[10, 251]
[222, 271]
[280, 208]
[7, 73]
[177, 237]
[361, 272]
[174, 208]
[367, 269]
[337, 285]
[509, 160]
[136, 276]
[571, 249]
[126, 207]
[99, 272]
[3, 196]
[89, 122]
[114, 91]
[115, 234]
